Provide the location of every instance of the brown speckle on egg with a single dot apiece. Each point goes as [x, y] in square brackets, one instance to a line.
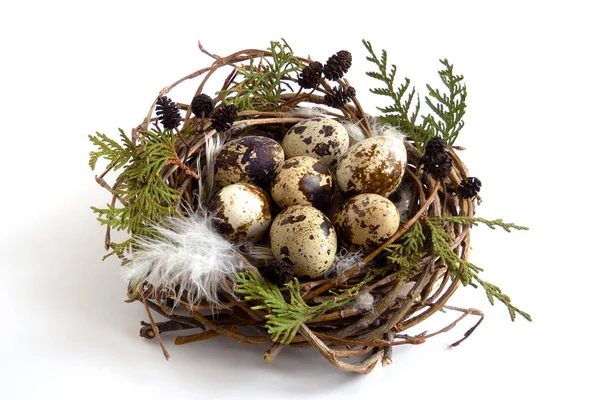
[366, 221]
[302, 180]
[306, 240]
[242, 212]
[250, 159]
[374, 165]
[322, 138]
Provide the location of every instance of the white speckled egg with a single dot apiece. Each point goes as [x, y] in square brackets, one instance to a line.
[302, 180]
[251, 159]
[242, 212]
[322, 138]
[304, 237]
[365, 221]
[374, 165]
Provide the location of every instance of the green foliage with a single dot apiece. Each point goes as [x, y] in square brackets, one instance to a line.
[283, 318]
[146, 196]
[465, 271]
[264, 80]
[401, 112]
[407, 253]
[410, 248]
[492, 224]
[447, 109]
[441, 242]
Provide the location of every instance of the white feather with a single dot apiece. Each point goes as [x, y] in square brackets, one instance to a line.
[310, 111]
[364, 301]
[212, 146]
[357, 134]
[343, 261]
[258, 252]
[188, 256]
[403, 203]
[386, 130]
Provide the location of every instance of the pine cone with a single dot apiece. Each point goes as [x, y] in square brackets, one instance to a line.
[435, 145]
[469, 187]
[337, 65]
[436, 160]
[310, 75]
[437, 164]
[339, 96]
[278, 272]
[224, 117]
[168, 113]
[202, 106]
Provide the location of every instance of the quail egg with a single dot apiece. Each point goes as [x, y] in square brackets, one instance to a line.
[374, 165]
[322, 138]
[242, 212]
[304, 237]
[302, 180]
[251, 159]
[366, 221]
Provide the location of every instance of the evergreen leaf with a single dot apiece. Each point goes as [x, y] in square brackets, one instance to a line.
[285, 318]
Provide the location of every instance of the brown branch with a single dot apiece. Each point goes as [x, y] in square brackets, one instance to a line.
[180, 164]
[155, 328]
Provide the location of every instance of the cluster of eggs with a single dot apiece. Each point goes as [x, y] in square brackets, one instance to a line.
[261, 177]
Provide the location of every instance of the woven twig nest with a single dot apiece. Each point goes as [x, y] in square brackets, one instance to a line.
[359, 309]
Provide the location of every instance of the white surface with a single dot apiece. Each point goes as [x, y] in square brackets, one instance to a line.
[69, 70]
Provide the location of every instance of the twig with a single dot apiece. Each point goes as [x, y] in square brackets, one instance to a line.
[272, 352]
[155, 328]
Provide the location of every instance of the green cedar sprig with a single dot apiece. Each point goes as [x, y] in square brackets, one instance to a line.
[492, 224]
[410, 249]
[263, 81]
[407, 253]
[447, 107]
[283, 318]
[146, 197]
[401, 112]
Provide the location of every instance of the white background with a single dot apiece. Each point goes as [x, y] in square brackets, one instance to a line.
[70, 69]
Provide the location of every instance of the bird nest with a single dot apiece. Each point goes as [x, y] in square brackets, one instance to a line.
[356, 312]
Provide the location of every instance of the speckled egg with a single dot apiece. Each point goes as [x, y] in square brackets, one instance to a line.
[374, 165]
[250, 159]
[322, 138]
[304, 237]
[242, 212]
[365, 221]
[302, 180]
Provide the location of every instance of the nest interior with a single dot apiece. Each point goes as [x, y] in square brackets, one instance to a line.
[351, 337]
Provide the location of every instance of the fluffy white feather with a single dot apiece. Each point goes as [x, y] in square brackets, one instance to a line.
[386, 130]
[403, 203]
[188, 256]
[212, 145]
[364, 301]
[258, 252]
[343, 261]
[310, 111]
[357, 134]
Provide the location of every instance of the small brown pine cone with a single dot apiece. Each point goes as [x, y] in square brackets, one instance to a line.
[224, 117]
[310, 75]
[202, 106]
[337, 65]
[339, 96]
[168, 113]
[469, 187]
[278, 272]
